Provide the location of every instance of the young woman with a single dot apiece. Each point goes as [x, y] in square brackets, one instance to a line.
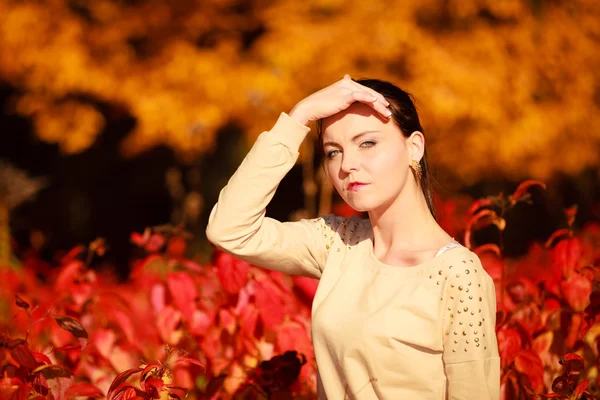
[402, 311]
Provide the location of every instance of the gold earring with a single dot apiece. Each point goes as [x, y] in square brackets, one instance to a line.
[418, 169]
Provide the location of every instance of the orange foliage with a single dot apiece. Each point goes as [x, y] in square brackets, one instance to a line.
[514, 83]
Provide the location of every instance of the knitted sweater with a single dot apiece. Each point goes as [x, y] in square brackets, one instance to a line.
[379, 331]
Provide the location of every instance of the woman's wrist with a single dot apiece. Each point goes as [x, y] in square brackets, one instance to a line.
[298, 115]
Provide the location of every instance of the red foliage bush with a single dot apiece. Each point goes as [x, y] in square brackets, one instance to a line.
[232, 330]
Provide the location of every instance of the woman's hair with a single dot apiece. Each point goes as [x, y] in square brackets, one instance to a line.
[406, 118]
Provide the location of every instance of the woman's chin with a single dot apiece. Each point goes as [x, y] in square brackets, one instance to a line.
[359, 206]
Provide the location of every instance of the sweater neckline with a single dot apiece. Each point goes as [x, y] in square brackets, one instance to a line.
[413, 270]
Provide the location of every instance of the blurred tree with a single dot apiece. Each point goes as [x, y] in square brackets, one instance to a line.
[514, 84]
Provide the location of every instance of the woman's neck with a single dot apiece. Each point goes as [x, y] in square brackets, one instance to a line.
[407, 225]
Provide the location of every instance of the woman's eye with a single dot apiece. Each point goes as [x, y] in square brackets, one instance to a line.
[368, 143]
[332, 153]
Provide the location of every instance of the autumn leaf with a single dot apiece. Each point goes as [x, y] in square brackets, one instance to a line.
[167, 322]
[573, 363]
[308, 286]
[84, 390]
[269, 303]
[59, 379]
[528, 363]
[21, 303]
[120, 380]
[566, 255]
[73, 326]
[24, 357]
[184, 293]
[509, 342]
[581, 387]
[186, 359]
[232, 272]
[520, 194]
[72, 255]
[576, 290]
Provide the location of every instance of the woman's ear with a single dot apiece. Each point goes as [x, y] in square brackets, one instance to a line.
[416, 145]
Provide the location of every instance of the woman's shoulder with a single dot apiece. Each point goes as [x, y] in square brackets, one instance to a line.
[462, 265]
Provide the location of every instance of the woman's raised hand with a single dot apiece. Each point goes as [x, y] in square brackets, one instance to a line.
[337, 97]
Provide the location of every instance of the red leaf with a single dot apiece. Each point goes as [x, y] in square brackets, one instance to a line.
[21, 303]
[189, 360]
[566, 255]
[176, 392]
[509, 342]
[151, 385]
[74, 278]
[59, 379]
[201, 322]
[128, 392]
[104, 339]
[140, 239]
[477, 204]
[581, 387]
[572, 362]
[227, 320]
[542, 343]
[84, 389]
[12, 343]
[151, 370]
[22, 392]
[73, 326]
[557, 236]
[124, 322]
[192, 266]
[24, 357]
[232, 272]
[41, 358]
[308, 286]
[269, 302]
[576, 290]
[71, 255]
[528, 363]
[520, 192]
[248, 317]
[167, 321]
[69, 347]
[183, 290]
[214, 386]
[121, 379]
[176, 246]
[155, 243]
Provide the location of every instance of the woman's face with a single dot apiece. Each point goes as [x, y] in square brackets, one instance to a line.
[366, 157]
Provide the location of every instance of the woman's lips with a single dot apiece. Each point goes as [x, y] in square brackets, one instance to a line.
[356, 186]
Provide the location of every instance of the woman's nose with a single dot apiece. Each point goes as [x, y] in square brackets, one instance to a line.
[350, 162]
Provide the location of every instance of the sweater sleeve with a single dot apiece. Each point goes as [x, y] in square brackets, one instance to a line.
[238, 225]
[471, 358]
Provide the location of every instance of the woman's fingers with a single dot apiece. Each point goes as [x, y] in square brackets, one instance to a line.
[370, 100]
[354, 85]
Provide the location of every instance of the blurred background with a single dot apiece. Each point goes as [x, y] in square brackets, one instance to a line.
[122, 114]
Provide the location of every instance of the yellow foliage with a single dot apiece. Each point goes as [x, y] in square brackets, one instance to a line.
[504, 87]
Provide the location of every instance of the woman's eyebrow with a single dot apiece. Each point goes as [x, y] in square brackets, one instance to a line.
[354, 138]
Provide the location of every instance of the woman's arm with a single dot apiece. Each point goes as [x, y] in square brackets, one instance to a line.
[238, 225]
[471, 358]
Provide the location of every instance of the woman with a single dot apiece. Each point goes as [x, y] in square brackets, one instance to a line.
[402, 311]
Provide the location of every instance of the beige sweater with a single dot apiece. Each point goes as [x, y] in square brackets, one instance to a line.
[379, 331]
